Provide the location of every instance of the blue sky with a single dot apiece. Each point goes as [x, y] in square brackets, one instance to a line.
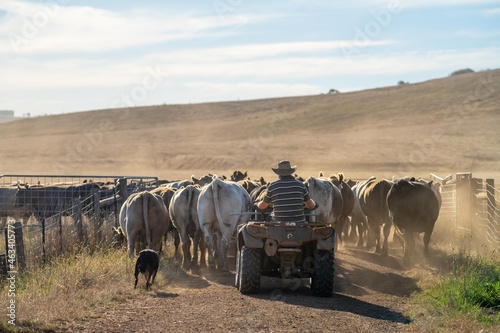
[59, 56]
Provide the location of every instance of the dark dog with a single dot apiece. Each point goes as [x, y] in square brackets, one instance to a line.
[147, 264]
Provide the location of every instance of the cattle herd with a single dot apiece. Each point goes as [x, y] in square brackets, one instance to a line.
[203, 213]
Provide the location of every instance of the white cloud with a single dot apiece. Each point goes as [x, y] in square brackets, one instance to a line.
[30, 28]
[492, 11]
[84, 51]
[395, 3]
[423, 3]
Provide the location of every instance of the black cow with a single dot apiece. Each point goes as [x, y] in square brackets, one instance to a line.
[147, 264]
[347, 203]
[48, 201]
[413, 208]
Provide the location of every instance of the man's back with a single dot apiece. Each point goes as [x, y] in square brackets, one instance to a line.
[287, 196]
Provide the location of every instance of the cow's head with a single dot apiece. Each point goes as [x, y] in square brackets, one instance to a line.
[118, 237]
[203, 180]
[238, 175]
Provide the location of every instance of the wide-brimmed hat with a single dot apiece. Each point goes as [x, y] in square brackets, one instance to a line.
[284, 168]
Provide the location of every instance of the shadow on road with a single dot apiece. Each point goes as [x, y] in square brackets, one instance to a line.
[356, 280]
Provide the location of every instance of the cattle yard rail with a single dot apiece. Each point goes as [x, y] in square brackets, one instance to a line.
[61, 213]
[470, 209]
[133, 182]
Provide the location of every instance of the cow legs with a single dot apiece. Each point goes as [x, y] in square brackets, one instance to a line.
[203, 259]
[361, 232]
[427, 239]
[409, 245]
[154, 276]
[387, 230]
[375, 236]
[186, 250]
[352, 230]
[223, 249]
[148, 277]
[209, 243]
[177, 241]
[131, 246]
[340, 228]
[372, 234]
[198, 242]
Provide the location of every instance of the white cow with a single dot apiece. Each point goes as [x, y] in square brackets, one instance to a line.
[144, 216]
[218, 205]
[184, 215]
[328, 197]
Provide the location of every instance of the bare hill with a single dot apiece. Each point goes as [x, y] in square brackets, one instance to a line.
[443, 126]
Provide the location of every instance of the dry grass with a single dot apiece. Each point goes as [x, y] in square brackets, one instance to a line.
[443, 126]
[71, 287]
[79, 286]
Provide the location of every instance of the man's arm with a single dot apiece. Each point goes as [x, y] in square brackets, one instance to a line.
[310, 204]
[261, 205]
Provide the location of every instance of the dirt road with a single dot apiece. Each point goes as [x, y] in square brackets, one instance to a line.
[371, 295]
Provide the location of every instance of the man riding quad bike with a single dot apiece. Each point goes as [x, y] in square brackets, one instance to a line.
[286, 245]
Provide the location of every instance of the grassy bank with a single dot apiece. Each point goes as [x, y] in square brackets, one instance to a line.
[73, 287]
[465, 299]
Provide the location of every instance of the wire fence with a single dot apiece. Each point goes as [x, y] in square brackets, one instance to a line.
[62, 214]
[470, 210]
[52, 215]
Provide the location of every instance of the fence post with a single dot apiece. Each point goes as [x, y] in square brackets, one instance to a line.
[122, 188]
[42, 223]
[60, 233]
[21, 259]
[77, 218]
[464, 202]
[3, 266]
[97, 219]
[491, 209]
[6, 237]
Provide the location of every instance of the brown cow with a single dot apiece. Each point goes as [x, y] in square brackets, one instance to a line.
[372, 198]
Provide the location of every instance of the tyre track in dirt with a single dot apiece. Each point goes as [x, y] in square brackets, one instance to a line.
[371, 295]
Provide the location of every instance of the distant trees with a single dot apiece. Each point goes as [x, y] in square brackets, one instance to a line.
[402, 83]
[462, 71]
[333, 91]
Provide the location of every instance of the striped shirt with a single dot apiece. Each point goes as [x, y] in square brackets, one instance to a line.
[287, 195]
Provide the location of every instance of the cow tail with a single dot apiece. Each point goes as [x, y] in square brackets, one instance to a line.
[145, 212]
[189, 199]
[215, 191]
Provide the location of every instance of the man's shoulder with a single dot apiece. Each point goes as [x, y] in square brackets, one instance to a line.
[288, 181]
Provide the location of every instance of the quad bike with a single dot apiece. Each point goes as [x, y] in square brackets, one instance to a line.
[286, 250]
